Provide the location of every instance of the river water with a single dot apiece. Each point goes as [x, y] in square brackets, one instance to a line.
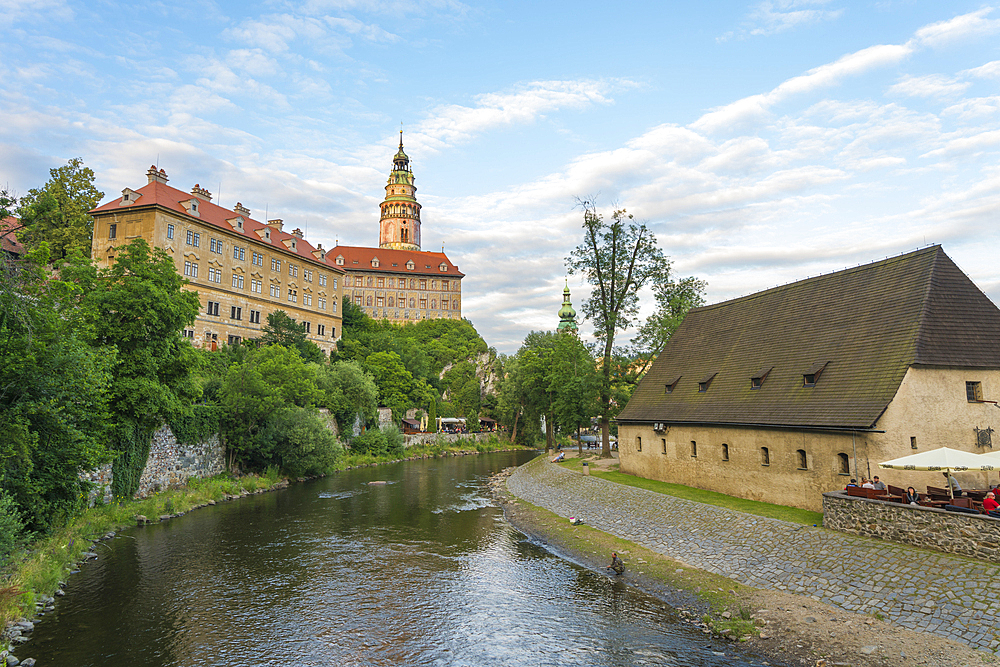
[420, 571]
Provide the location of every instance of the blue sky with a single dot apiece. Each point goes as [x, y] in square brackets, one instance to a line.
[763, 142]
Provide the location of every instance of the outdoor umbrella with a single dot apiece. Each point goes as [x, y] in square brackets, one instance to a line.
[944, 459]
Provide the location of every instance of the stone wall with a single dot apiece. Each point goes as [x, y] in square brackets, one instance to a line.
[450, 438]
[973, 535]
[170, 464]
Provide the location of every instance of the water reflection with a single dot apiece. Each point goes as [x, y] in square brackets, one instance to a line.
[419, 571]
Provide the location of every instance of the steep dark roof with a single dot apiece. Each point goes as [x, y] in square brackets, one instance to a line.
[859, 329]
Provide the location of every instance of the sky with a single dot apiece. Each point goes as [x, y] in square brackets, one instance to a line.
[762, 142]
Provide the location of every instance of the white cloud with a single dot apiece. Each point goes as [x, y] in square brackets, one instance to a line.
[990, 70]
[34, 11]
[770, 18]
[928, 85]
[963, 27]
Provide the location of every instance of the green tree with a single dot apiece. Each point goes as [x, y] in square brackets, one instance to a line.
[397, 389]
[54, 394]
[296, 440]
[673, 301]
[57, 213]
[618, 258]
[283, 330]
[574, 379]
[271, 379]
[349, 393]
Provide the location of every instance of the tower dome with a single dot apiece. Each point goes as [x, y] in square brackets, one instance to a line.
[399, 219]
[567, 316]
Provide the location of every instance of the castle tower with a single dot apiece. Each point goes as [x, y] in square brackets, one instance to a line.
[567, 316]
[399, 223]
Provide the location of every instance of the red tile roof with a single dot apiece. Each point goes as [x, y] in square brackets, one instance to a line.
[357, 258]
[9, 241]
[161, 194]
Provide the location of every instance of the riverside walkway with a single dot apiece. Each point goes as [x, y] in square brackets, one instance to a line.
[952, 596]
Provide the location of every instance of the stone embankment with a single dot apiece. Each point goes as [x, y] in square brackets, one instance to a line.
[948, 595]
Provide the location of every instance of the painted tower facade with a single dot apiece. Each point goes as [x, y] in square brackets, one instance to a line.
[399, 223]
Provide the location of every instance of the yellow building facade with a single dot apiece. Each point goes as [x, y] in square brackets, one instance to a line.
[241, 268]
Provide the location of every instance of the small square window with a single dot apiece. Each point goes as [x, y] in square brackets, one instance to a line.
[974, 392]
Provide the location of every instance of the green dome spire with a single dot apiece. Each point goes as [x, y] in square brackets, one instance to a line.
[567, 316]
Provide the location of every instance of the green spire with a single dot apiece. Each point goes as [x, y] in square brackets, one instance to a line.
[567, 316]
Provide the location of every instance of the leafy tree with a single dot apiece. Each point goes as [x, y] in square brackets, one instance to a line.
[464, 389]
[432, 415]
[397, 388]
[298, 442]
[271, 379]
[673, 301]
[57, 213]
[11, 527]
[574, 379]
[386, 441]
[54, 393]
[349, 393]
[283, 330]
[514, 407]
[618, 258]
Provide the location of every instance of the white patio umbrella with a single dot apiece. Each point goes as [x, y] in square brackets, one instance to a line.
[943, 459]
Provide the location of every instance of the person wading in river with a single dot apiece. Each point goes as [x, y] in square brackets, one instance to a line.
[617, 566]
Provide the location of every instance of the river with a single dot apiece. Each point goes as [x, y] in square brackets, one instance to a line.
[420, 571]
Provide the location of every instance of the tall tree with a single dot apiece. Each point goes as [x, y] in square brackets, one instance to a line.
[351, 395]
[673, 301]
[57, 212]
[618, 258]
[575, 382]
[285, 331]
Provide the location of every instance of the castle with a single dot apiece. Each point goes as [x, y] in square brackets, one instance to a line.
[230, 258]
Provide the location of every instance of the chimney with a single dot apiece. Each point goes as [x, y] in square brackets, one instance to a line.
[297, 233]
[201, 193]
[153, 176]
[275, 224]
[242, 210]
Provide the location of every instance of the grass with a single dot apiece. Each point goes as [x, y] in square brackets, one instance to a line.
[790, 514]
[39, 568]
[716, 593]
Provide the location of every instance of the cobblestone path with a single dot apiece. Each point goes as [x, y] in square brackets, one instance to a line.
[952, 596]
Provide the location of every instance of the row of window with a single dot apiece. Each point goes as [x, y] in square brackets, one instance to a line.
[236, 313]
[802, 460]
[390, 302]
[339, 261]
[239, 253]
[257, 287]
[400, 283]
[809, 379]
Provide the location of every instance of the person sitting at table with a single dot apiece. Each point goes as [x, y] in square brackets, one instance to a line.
[866, 483]
[956, 489]
[877, 485]
[911, 497]
[852, 484]
[991, 505]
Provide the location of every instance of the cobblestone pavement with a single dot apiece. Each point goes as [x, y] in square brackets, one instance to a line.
[952, 596]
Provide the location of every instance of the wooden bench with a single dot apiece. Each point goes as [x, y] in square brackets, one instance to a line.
[859, 492]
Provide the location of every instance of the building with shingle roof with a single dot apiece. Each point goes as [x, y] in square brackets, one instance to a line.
[787, 393]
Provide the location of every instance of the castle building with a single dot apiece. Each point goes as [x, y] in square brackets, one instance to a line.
[241, 268]
[567, 316]
[788, 393]
[397, 281]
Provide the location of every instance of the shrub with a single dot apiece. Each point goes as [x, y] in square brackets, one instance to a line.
[299, 442]
[370, 442]
[394, 442]
[11, 527]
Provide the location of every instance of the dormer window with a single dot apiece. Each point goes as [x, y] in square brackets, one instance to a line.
[671, 385]
[191, 206]
[340, 260]
[267, 234]
[811, 376]
[757, 379]
[374, 262]
[410, 265]
[443, 267]
[706, 382]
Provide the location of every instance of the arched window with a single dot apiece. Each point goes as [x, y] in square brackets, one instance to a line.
[765, 457]
[725, 452]
[803, 461]
[843, 464]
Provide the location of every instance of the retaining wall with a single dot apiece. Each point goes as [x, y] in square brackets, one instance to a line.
[974, 535]
[170, 464]
[431, 438]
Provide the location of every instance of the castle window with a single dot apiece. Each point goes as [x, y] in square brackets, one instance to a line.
[375, 263]
[913, 442]
[340, 260]
[663, 444]
[443, 267]
[235, 313]
[322, 280]
[765, 456]
[190, 269]
[213, 308]
[254, 317]
[409, 265]
[320, 329]
[381, 282]
[112, 231]
[321, 303]
[275, 264]
[170, 231]
[802, 460]
[276, 291]
[725, 452]
[237, 281]
[973, 391]
[694, 449]
[843, 464]
[638, 443]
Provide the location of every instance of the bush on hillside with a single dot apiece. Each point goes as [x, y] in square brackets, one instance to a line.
[297, 440]
[11, 527]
